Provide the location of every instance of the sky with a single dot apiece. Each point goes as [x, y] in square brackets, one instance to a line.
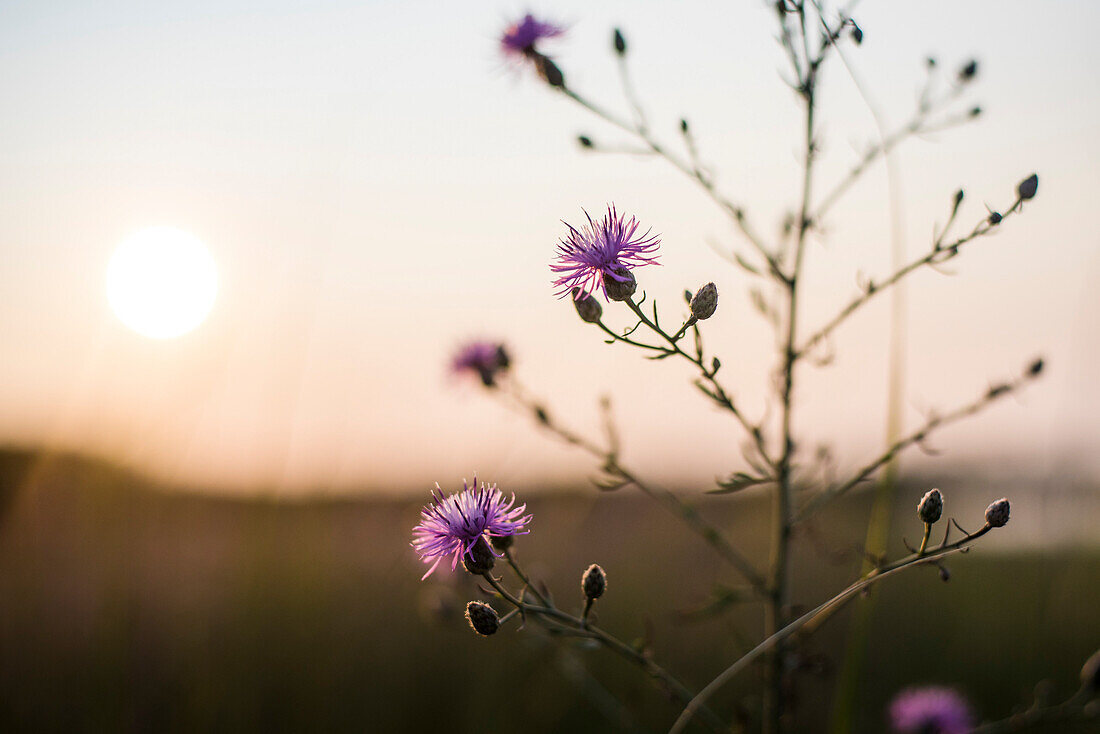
[376, 184]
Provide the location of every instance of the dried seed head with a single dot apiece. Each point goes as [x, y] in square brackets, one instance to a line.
[704, 302]
[930, 507]
[593, 582]
[480, 558]
[483, 618]
[620, 290]
[997, 513]
[1028, 187]
[588, 308]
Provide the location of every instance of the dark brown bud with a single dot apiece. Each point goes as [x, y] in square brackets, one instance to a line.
[502, 542]
[1028, 187]
[480, 558]
[857, 33]
[968, 72]
[593, 582]
[683, 125]
[620, 42]
[548, 70]
[975, 111]
[1036, 367]
[584, 141]
[588, 308]
[997, 513]
[995, 218]
[483, 618]
[705, 302]
[619, 290]
[931, 507]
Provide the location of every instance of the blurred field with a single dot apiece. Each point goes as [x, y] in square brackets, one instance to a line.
[124, 607]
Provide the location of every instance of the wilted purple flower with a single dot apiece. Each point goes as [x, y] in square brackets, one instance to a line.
[931, 710]
[450, 526]
[486, 359]
[519, 39]
[590, 254]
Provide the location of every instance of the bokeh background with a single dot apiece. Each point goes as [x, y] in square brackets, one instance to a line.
[211, 532]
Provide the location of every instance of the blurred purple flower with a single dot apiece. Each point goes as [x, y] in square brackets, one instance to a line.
[519, 39]
[450, 526]
[486, 359]
[931, 710]
[594, 252]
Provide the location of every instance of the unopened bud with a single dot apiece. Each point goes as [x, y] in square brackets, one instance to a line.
[483, 618]
[548, 70]
[584, 141]
[975, 111]
[930, 507]
[968, 72]
[959, 197]
[704, 302]
[945, 574]
[1090, 673]
[480, 558]
[502, 542]
[620, 42]
[593, 582]
[588, 308]
[857, 33]
[1028, 187]
[619, 284]
[995, 218]
[1035, 368]
[997, 513]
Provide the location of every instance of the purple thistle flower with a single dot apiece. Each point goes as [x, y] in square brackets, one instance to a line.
[450, 526]
[600, 250]
[519, 39]
[931, 710]
[484, 358]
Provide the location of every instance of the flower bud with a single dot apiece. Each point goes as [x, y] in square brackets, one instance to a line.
[584, 141]
[1028, 187]
[480, 558]
[704, 302]
[548, 70]
[930, 507]
[1090, 673]
[968, 72]
[1035, 368]
[995, 218]
[483, 618]
[619, 290]
[997, 513]
[502, 542]
[620, 42]
[857, 34]
[593, 582]
[588, 308]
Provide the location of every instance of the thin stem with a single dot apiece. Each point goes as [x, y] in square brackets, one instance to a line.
[924, 540]
[580, 628]
[1072, 708]
[667, 499]
[939, 253]
[936, 421]
[823, 611]
[691, 169]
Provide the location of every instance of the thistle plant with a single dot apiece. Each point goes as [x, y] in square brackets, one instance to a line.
[599, 266]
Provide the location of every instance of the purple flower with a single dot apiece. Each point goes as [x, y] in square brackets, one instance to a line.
[931, 710]
[603, 249]
[519, 39]
[486, 359]
[450, 526]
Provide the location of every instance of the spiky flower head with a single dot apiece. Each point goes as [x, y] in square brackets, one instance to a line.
[930, 710]
[451, 526]
[930, 507]
[594, 582]
[997, 513]
[483, 618]
[486, 359]
[519, 39]
[604, 250]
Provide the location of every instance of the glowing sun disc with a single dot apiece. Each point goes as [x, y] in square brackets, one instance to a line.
[161, 282]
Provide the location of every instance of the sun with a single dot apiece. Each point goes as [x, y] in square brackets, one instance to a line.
[161, 282]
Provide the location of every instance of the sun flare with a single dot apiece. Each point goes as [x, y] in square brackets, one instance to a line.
[161, 282]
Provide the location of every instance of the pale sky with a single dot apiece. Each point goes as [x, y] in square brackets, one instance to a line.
[376, 184]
